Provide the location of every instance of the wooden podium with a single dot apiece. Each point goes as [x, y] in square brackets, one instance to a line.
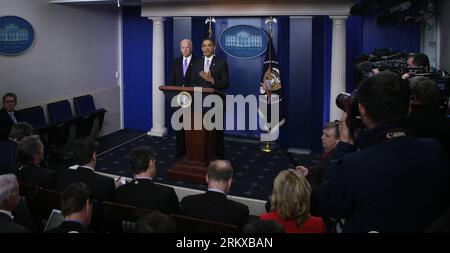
[200, 144]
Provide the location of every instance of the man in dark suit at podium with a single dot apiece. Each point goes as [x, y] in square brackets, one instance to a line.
[142, 191]
[214, 204]
[211, 72]
[8, 116]
[181, 75]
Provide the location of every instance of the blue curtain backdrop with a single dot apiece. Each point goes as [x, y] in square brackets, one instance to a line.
[306, 85]
[137, 69]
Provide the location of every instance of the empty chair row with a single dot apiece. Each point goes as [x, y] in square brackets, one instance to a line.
[87, 120]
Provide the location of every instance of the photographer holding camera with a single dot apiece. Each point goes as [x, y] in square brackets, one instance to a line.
[394, 182]
[425, 119]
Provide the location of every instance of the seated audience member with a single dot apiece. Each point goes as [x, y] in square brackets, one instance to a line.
[102, 187]
[315, 175]
[30, 152]
[214, 205]
[155, 222]
[264, 227]
[290, 203]
[142, 191]
[9, 198]
[330, 137]
[20, 130]
[425, 120]
[393, 182]
[8, 161]
[8, 115]
[76, 206]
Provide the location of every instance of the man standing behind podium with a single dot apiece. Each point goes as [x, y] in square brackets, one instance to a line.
[181, 76]
[211, 72]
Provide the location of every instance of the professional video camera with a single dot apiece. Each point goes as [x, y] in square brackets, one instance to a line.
[394, 61]
[380, 60]
[349, 104]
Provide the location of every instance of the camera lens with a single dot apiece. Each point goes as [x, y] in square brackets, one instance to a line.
[343, 100]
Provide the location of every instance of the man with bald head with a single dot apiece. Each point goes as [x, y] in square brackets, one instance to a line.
[214, 205]
[181, 76]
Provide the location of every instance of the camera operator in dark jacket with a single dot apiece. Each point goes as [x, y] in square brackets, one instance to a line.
[394, 182]
[425, 119]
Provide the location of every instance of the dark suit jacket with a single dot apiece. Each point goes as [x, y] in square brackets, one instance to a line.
[8, 157]
[146, 194]
[5, 124]
[397, 185]
[218, 69]
[7, 225]
[32, 174]
[70, 227]
[102, 187]
[427, 122]
[215, 206]
[177, 77]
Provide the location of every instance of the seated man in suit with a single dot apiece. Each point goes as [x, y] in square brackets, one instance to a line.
[76, 206]
[9, 198]
[211, 72]
[142, 191]
[30, 151]
[214, 205]
[8, 116]
[102, 187]
[8, 160]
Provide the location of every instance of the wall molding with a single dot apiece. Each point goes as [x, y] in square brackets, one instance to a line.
[244, 8]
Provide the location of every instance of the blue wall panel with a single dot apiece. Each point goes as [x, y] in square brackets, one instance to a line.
[397, 37]
[304, 53]
[137, 66]
[181, 30]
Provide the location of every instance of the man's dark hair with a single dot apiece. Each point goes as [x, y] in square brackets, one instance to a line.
[20, 130]
[10, 94]
[27, 148]
[220, 170]
[155, 222]
[263, 227]
[83, 151]
[140, 157]
[74, 198]
[421, 60]
[385, 97]
[425, 91]
[209, 39]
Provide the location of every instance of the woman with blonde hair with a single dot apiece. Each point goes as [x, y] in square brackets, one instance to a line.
[290, 202]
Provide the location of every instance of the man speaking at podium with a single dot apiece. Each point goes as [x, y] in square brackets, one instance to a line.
[211, 72]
